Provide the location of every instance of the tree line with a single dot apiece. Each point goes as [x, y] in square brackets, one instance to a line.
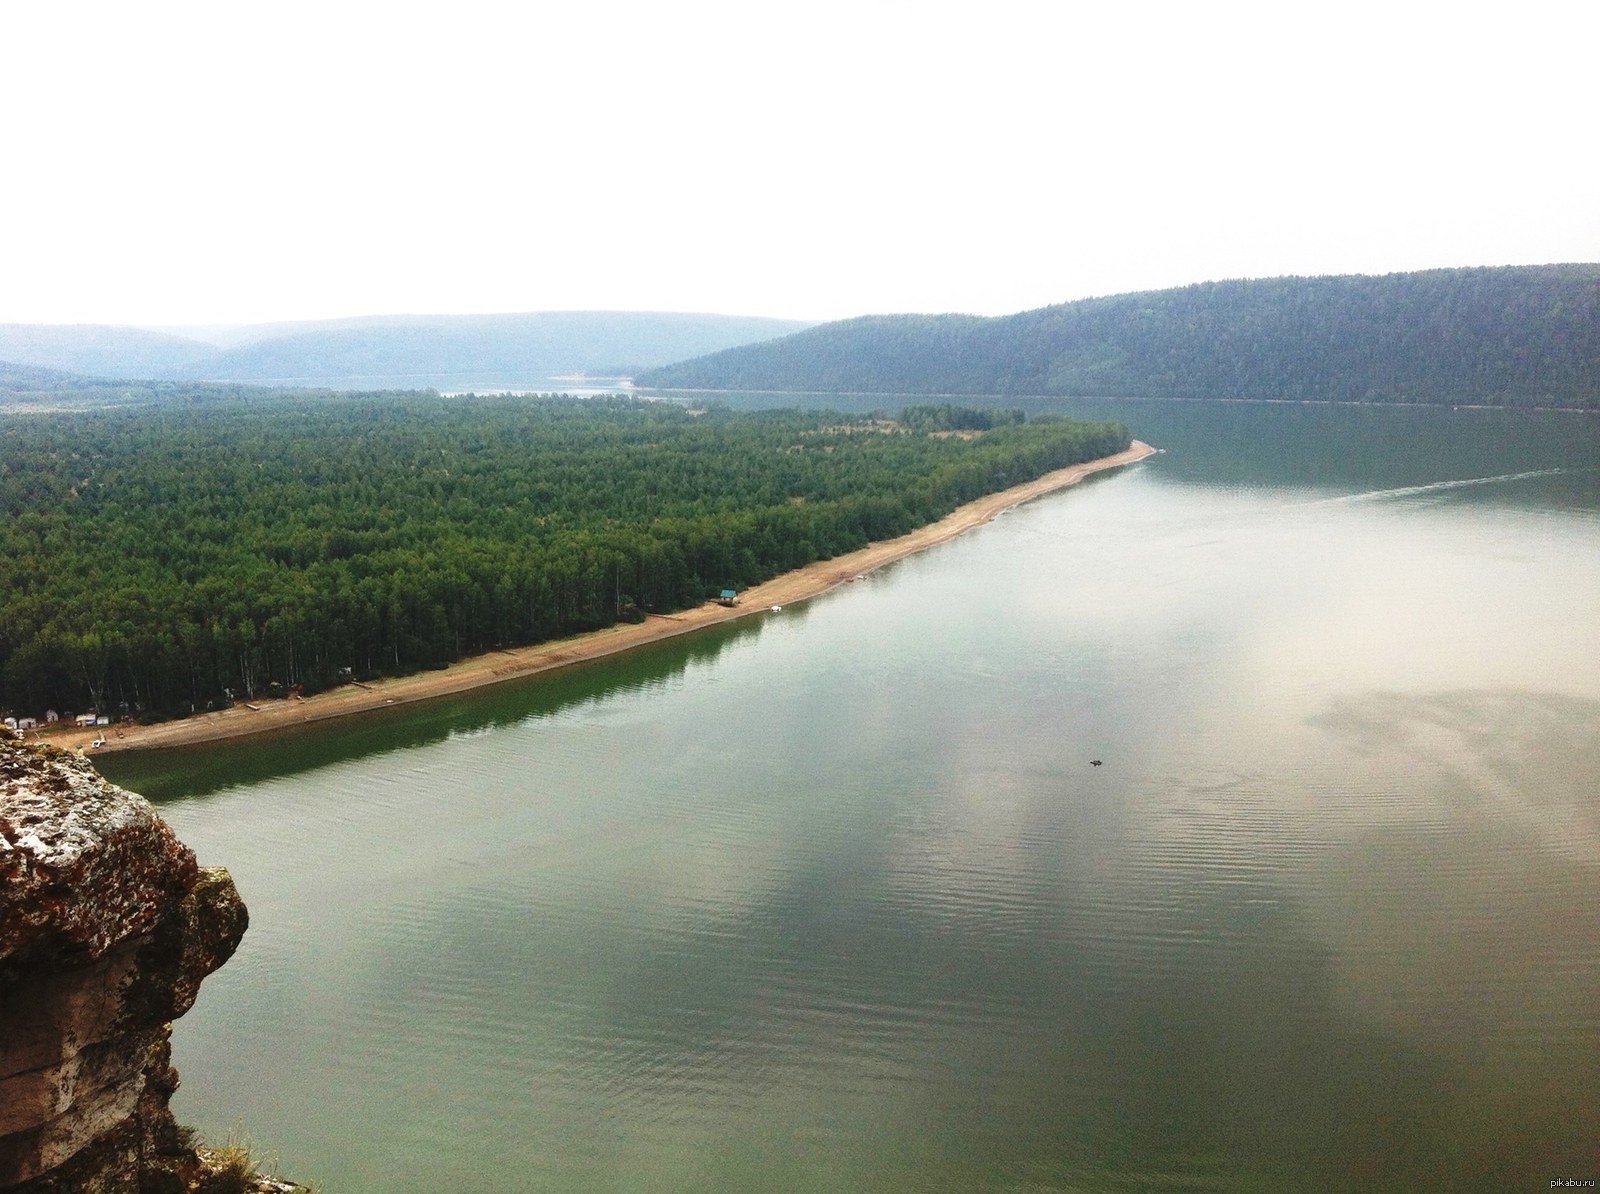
[169, 557]
[944, 416]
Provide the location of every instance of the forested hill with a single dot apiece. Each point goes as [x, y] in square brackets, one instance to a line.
[1516, 336]
[32, 379]
[449, 352]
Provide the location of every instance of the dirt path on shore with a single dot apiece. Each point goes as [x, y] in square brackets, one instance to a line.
[794, 586]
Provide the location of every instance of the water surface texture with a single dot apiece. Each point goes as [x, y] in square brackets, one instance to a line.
[833, 899]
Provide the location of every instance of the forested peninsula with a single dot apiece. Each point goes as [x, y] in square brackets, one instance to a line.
[1508, 336]
[174, 556]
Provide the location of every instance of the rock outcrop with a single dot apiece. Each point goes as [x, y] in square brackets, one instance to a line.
[107, 927]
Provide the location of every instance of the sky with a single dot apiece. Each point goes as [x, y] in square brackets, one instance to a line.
[177, 164]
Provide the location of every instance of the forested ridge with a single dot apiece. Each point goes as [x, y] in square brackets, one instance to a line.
[33, 387]
[161, 558]
[1511, 336]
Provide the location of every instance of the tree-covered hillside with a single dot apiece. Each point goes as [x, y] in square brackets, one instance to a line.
[96, 350]
[35, 379]
[1516, 336]
[453, 352]
[163, 555]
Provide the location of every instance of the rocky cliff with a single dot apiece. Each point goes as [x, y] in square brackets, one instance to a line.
[107, 926]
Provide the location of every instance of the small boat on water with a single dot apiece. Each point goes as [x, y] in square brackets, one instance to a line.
[777, 609]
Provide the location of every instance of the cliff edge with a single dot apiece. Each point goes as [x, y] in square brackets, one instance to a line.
[108, 924]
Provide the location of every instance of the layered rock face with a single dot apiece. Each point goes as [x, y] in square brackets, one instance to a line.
[107, 926]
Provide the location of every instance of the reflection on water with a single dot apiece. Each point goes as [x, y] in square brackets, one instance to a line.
[1344, 448]
[197, 771]
[836, 901]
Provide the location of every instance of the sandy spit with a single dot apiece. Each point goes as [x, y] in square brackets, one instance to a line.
[810, 581]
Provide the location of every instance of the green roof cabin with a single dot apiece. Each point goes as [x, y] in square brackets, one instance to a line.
[729, 597]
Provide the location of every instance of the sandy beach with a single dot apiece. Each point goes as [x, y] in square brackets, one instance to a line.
[810, 581]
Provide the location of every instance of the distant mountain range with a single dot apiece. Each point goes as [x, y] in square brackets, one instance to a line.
[1520, 335]
[390, 352]
[1514, 336]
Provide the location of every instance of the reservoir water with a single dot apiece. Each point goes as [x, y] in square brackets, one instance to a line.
[834, 899]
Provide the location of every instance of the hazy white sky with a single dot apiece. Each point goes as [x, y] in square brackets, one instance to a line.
[174, 163]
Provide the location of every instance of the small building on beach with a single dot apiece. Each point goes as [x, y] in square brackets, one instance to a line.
[729, 597]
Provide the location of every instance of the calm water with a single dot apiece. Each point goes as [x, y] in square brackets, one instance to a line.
[834, 900]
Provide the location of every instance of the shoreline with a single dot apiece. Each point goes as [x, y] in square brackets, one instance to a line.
[648, 391]
[496, 666]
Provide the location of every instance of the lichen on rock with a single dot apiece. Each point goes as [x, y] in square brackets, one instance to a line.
[107, 926]
[83, 864]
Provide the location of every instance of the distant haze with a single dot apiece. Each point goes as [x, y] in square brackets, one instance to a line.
[184, 164]
[452, 352]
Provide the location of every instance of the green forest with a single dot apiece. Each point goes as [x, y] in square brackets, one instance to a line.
[1511, 336]
[168, 557]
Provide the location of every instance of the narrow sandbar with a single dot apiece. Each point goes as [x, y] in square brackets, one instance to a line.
[814, 579]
